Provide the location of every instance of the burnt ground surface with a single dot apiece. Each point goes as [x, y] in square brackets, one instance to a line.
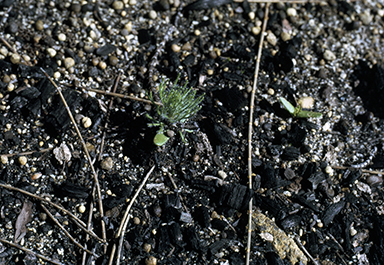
[313, 178]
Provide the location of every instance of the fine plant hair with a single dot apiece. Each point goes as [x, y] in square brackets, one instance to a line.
[178, 104]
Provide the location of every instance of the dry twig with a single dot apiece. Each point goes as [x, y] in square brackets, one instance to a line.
[86, 153]
[250, 129]
[80, 223]
[124, 222]
[66, 232]
[30, 251]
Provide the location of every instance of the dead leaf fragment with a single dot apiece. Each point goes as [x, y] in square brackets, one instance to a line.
[62, 153]
[284, 245]
[23, 219]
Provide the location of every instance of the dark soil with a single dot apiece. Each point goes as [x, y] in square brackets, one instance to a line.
[317, 180]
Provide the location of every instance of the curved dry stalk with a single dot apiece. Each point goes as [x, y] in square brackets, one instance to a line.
[123, 225]
[250, 129]
[80, 223]
[66, 232]
[113, 94]
[367, 171]
[14, 51]
[28, 152]
[30, 251]
[101, 210]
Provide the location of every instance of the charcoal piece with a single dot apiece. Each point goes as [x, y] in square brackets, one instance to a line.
[217, 245]
[192, 239]
[6, 3]
[144, 36]
[312, 243]
[378, 161]
[272, 206]
[222, 135]
[243, 52]
[5, 67]
[122, 190]
[170, 214]
[189, 60]
[58, 121]
[296, 136]
[34, 107]
[289, 173]
[71, 190]
[232, 76]
[171, 200]
[236, 258]
[74, 56]
[106, 49]
[270, 178]
[290, 153]
[93, 71]
[35, 72]
[174, 60]
[17, 103]
[332, 211]
[256, 162]
[175, 234]
[274, 150]
[342, 126]
[203, 185]
[164, 241]
[201, 215]
[47, 90]
[303, 201]
[376, 234]
[351, 175]
[218, 224]
[206, 4]
[309, 169]
[316, 179]
[290, 222]
[232, 98]
[274, 259]
[30, 93]
[238, 197]
[112, 202]
[370, 86]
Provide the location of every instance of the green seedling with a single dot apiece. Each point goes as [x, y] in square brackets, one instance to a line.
[297, 111]
[179, 103]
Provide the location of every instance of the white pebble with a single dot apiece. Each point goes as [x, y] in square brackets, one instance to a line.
[4, 159]
[51, 52]
[82, 209]
[23, 160]
[291, 12]
[69, 62]
[152, 14]
[329, 55]
[61, 37]
[86, 121]
[222, 174]
[271, 38]
[256, 30]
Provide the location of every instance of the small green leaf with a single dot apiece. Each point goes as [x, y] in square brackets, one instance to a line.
[160, 139]
[308, 114]
[288, 106]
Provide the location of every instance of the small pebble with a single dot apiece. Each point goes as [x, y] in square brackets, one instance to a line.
[102, 65]
[366, 17]
[196, 158]
[6, 79]
[152, 14]
[51, 52]
[62, 37]
[151, 260]
[256, 30]
[147, 247]
[113, 60]
[76, 7]
[170, 133]
[285, 36]
[12, 28]
[271, 91]
[306, 102]
[107, 163]
[222, 174]
[56, 75]
[291, 12]
[4, 159]
[15, 58]
[69, 62]
[136, 220]
[329, 56]
[36, 176]
[23, 160]
[81, 209]
[86, 121]
[132, 2]
[329, 170]
[39, 25]
[210, 72]
[118, 5]
[175, 48]
[271, 38]
[187, 46]
[42, 216]
[251, 15]
[197, 32]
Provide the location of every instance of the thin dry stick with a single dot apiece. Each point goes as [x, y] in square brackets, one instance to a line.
[65, 231]
[30, 251]
[252, 103]
[362, 170]
[100, 156]
[297, 239]
[28, 152]
[283, 1]
[80, 223]
[86, 153]
[124, 222]
[14, 51]
[122, 96]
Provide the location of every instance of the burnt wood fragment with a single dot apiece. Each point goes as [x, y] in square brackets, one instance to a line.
[332, 211]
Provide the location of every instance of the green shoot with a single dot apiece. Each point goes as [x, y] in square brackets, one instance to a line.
[179, 103]
[297, 111]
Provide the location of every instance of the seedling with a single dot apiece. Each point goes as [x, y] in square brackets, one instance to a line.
[297, 111]
[178, 105]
